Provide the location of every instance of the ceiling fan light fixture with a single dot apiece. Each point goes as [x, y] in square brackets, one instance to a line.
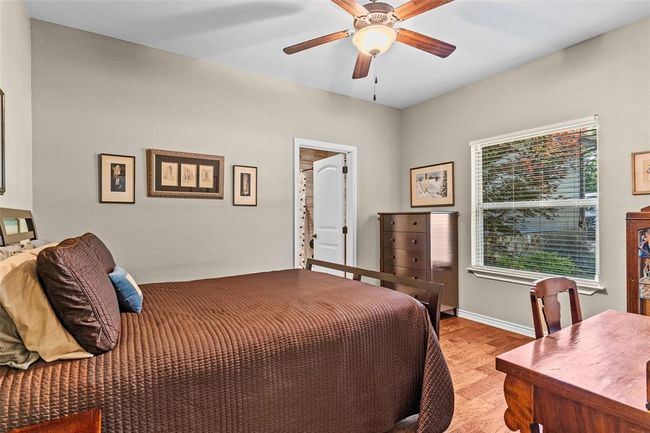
[374, 40]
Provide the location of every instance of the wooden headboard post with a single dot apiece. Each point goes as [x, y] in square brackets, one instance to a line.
[28, 232]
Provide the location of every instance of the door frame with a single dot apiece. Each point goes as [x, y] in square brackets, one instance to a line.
[352, 155]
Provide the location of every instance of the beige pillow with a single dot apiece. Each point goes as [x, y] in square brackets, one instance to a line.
[35, 251]
[13, 352]
[23, 298]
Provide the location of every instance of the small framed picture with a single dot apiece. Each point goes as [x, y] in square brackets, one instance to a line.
[244, 185]
[188, 179]
[641, 173]
[116, 178]
[432, 185]
[206, 176]
[184, 174]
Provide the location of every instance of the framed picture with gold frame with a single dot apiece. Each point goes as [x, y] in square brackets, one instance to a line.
[432, 185]
[641, 173]
[244, 185]
[184, 174]
[116, 178]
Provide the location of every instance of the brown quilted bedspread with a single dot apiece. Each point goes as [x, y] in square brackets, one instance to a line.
[278, 352]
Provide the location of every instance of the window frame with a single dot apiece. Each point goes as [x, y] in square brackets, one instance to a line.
[585, 286]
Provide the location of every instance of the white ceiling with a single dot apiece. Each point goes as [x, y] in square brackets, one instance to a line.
[491, 36]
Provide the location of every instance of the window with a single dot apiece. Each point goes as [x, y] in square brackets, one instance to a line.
[535, 204]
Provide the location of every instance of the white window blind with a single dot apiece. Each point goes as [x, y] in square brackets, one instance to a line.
[535, 201]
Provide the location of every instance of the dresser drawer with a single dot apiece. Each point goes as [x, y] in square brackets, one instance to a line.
[415, 274]
[405, 241]
[405, 223]
[405, 258]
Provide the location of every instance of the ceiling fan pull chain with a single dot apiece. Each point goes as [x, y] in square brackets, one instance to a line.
[374, 90]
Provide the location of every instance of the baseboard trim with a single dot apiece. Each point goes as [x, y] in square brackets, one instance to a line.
[497, 323]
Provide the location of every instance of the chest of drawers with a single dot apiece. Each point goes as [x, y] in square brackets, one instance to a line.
[424, 246]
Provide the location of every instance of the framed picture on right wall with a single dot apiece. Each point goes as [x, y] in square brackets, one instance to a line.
[244, 185]
[432, 185]
[641, 173]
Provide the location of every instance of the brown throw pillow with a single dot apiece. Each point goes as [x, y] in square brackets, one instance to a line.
[103, 254]
[80, 291]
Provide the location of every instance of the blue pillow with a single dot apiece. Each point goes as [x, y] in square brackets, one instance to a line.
[129, 295]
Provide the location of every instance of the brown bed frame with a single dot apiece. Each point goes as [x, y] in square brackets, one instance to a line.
[427, 292]
[16, 214]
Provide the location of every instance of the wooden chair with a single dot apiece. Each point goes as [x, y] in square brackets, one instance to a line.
[547, 290]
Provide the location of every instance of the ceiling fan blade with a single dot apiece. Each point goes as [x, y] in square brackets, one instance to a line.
[425, 43]
[316, 42]
[362, 66]
[352, 7]
[416, 7]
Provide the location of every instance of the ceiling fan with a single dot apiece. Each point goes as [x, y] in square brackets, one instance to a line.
[375, 31]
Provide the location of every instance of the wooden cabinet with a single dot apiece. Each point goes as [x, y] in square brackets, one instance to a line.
[638, 261]
[422, 246]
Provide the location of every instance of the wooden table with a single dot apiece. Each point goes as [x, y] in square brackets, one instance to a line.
[84, 422]
[587, 378]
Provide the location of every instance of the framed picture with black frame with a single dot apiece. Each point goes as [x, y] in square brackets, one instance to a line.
[244, 185]
[116, 178]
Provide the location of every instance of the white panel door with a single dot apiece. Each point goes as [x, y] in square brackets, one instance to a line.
[329, 211]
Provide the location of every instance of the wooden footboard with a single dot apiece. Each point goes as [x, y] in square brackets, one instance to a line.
[427, 292]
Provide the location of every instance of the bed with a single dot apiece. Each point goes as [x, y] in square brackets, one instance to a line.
[276, 352]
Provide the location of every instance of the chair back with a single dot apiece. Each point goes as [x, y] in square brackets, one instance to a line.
[547, 290]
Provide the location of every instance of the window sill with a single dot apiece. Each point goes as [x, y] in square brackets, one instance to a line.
[585, 287]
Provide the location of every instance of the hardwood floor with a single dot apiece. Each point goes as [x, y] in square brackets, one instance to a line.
[470, 349]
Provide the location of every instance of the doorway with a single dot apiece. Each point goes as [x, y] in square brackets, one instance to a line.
[325, 220]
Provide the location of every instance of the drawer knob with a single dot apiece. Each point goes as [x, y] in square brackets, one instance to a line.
[392, 257]
[415, 278]
[392, 240]
[415, 259]
[392, 223]
[414, 241]
[415, 223]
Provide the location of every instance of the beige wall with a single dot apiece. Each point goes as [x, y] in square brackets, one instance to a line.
[607, 75]
[96, 94]
[15, 82]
